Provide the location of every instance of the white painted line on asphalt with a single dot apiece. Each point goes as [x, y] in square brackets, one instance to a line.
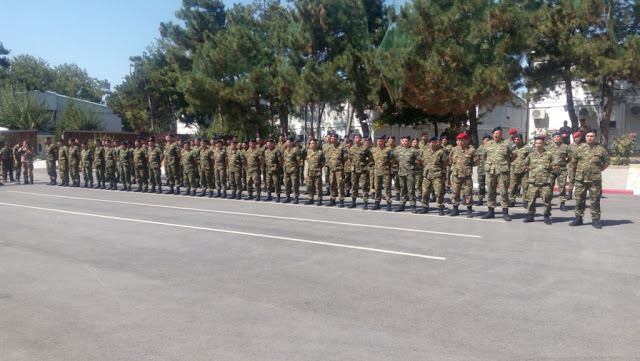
[254, 215]
[378, 250]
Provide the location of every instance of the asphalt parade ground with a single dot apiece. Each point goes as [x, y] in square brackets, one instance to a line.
[110, 275]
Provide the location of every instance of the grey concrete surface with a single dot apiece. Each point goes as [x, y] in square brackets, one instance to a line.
[104, 275]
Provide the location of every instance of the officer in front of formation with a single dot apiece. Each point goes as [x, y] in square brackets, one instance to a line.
[463, 158]
[539, 163]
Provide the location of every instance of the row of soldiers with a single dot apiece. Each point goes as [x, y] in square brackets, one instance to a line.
[423, 166]
[19, 160]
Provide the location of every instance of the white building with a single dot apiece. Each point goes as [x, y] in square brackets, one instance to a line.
[55, 103]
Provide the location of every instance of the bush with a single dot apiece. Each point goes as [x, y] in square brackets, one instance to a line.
[622, 148]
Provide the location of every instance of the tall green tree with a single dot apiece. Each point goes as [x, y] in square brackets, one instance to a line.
[4, 60]
[74, 117]
[30, 73]
[75, 82]
[22, 110]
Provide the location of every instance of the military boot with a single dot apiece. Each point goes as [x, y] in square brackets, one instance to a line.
[424, 210]
[454, 212]
[187, 192]
[547, 220]
[217, 194]
[177, 192]
[278, 198]
[203, 193]
[332, 202]
[505, 214]
[224, 194]
[308, 202]
[104, 185]
[249, 197]
[153, 189]
[570, 195]
[490, 214]
[441, 211]
[170, 191]
[529, 218]
[86, 185]
[269, 198]
[288, 199]
[376, 205]
[400, 208]
[388, 206]
[232, 196]
[159, 189]
[398, 197]
[469, 211]
[353, 203]
[596, 224]
[139, 189]
[193, 193]
[365, 206]
[128, 188]
[124, 188]
[258, 198]
[563, 207]
[414, 210]
[295, 200]
[341, 203]
[239, 196]
[319, 203]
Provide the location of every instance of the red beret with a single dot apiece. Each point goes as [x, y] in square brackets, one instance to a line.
[512, 131]
[462, 136]
[577, 134]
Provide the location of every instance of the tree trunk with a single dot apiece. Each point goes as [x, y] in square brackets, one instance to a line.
[570, 104]
[606, 103]
[473, 126]
[350, 111]
[319, 118]
[283, 114]
[363, 119]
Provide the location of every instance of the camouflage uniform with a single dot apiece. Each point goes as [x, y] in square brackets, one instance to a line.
[325, 151]
[141, 167]
[155, 160]
[291, 167]
[359, 155]
[497, 166]
[172, 158]
[272, 160]
[315, 161]
[571, 171]
[87, 166]
[51, 156]
[6, 154]
[462, 161]
[207, 181]
[539, 180]
[110, 166]
[220, 169]
[482, 187]
[588, 161]
[189, 160]
[26, 158]
[98, 164]
[235, 165]
[382, 160]
[254, 159]
[559, 175]
[394, 169]
[519, 175]
[17, 161]
[336, 157]
[63, 164]
[74, 164]
[125, 158]
[434, 163]
[406, 160]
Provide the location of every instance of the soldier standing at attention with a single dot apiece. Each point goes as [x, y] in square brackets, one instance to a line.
[337, 155]
[155, 156]
[518, 172]
[434, 159]
[26, 159]
[17, 160]
[172, 158]
[482, 188]
[235, 163]
[87, 165]
[75, 158]
[561, 153]
[255, 160]
[244, 146]
[141, 164]
[6, 156]
[195, 148]
[282, 144]
[188, 159]
[118, 170]
[444, 141]
[415, 144]
[498, 160]
[391, 143]
[348, 169]
[205, 163]
[125, 161]
[512, 137]
[315, 164]
[407, 158]
[303, 156]
[110, 154]
[539, 164]
[98, 163]
[383, 157]
[220, 169]
[360, 157]
[463, 158]
[63, 163]
[372, 169]
[51, 156]
[261, 146]
[325, 150]
[273, 164]
[571, 172]
[292, 159]
[589, 160]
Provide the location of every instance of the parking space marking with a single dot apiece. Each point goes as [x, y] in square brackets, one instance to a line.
[256, 215]
[368, 249]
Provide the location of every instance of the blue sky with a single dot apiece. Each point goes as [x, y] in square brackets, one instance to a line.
[98, 36]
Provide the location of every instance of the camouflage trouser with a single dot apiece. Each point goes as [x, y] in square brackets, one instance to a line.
[180, 177]
[571, 177]
[326, 176]
[407, 189]
[206, 179]
[516, 181]
[336, 183]
[63, 171]
[7, 169]
[372, 180]
[253, 180]
[51, 169]
[99, 173]
[356, 177]
[482, 186]
[595, 192]
[560, 176]
[142, 176]
[396, 180]
[173, 174]
[436, 186]
[546, 193]
[347, 181]
[383, 181]
[292, 183]
[314, 184]
[189, 177]
[166, 170]
[74, 172]
[125, 175]
[419, 178]
[235, 178]
[243, 177]
[220, 177]
[155, 176]
[447, 177]
[87, 173]
[301, 173]
[496, 179]
[27, 171]
[110, 174]
[272, 183]
[461, 185]
[18, 170]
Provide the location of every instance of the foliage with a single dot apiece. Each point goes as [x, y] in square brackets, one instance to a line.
[544, 132]
[22, 110]
[622, 148]
[4, 61]
[74, 117]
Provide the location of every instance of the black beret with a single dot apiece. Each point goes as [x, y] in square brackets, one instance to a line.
[496, 129]
[138, 138]
[234, 142]
[539, 138]
[292, 139]
[281, 135]
[443, 137]
[425, 133]
[252, 140]
[125, 143]
[582, 120]
[392, 137]
[381, 137]
[486, 136]
[218, 141]
[406, 137]
[171, 135]
[556, 133]
[152, 139]
[108, 140]
[60, 140]
[84, 142]
[518, 135]
[270, 140]
[591, 131]
[434, 139]
[96, 140]
[48, 138]
[72, 139]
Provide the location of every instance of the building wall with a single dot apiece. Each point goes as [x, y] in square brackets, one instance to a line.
[56, 103]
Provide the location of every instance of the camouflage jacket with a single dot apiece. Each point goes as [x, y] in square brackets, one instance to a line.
[205, 158]
[27, 154]
[498, 157]
[51, 152]
[292, 157]
[74, 155]
[589, 162]
[462, 161]
[98, 157]
[155, 157]
[140, 157]
[382, 160]
[517, 166]
[540, 163]
[433, 162]
[480, 152]
[236, 157]
[561, 152]
[188, 160]
[6, 154]
[359, 156]
[125, 157]
[253, 157]
[272, 160]
[171, 153]
[219, 158]
[63, 156]
[406, 159]
[87, 157]
[336, 156]
[315, 162]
